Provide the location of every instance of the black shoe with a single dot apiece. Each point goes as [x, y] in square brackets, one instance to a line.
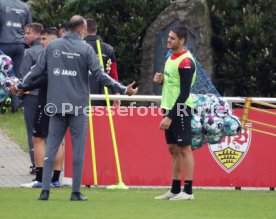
[44, 195]
[77, 196]
[14, 110]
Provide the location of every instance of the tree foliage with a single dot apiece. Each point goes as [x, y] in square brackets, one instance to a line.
[122, 23]
[51, 13]
[243, 37]
[244, 45]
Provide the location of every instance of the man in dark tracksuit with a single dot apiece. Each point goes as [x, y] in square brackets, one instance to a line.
[68, 61]
[109, 61]
[14, 15]
[41, 121]
[30, 101]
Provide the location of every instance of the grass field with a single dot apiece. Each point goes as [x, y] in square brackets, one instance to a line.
[137, 204]
[13, 125]
[131, 204]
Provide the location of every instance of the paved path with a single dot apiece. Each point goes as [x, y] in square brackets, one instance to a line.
[14, 163]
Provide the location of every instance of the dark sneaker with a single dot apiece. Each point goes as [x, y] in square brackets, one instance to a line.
[44, 195]
[77, 196]
[55, 184]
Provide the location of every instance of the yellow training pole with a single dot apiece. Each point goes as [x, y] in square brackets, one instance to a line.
[262, 123]
[245, 112]
[92, 144]
[264, 104]
[262, 110]
[120, 184]
[260, 131]
[247, 107]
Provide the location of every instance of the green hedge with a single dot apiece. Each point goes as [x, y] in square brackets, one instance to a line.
[122, 23]
[244, 46]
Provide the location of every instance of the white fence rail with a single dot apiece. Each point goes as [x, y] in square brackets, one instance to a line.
[147, 98]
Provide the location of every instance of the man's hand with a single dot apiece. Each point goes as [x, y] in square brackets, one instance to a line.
[158, 78]
[130, 90]
[12, 84]
[14, 90]
[165, 123]
[117, 103]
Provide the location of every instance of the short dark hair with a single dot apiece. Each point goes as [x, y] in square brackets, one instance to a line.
[65, 25]
[91, 26]
[181, 32]
[75, 23]
[51, 31]
[36, 27]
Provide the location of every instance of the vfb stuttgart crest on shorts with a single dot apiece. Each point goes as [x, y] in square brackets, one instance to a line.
[230, 152]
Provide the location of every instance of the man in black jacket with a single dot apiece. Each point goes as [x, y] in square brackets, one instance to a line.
[41, 122]
[109, 60]
[32, 38]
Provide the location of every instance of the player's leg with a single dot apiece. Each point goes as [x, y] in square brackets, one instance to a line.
[57, 129]
[39, 153]
[39, 150]
[38, 140]
[58, 167]
[40, 133]
[188, 162]
[78, 129]
[30, 106]
[184, 145]
[175, 153]
[176, 161]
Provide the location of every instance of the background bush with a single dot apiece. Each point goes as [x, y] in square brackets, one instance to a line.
[243, 37]
[244, 46]
[122, 23]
